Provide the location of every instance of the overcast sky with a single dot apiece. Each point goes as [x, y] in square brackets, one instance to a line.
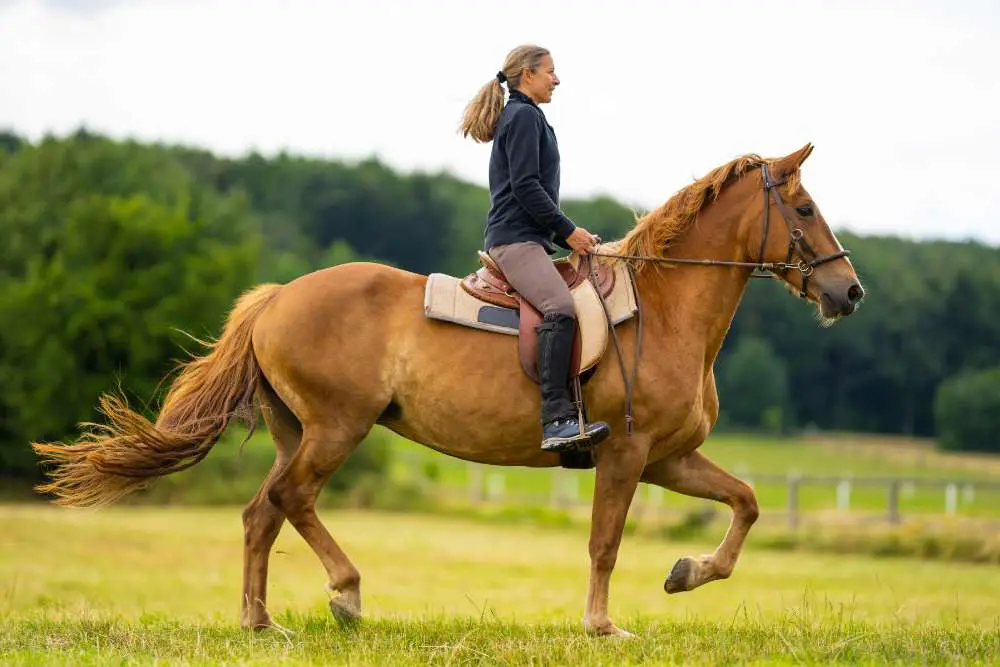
[901, 98]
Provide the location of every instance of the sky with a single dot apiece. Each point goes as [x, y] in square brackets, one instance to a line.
[901, 98]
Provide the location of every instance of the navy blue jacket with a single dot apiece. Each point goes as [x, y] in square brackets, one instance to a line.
[524, 179]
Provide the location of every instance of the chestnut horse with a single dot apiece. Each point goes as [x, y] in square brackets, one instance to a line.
[336, 351]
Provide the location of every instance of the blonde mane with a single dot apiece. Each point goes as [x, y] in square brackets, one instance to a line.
[654, 231]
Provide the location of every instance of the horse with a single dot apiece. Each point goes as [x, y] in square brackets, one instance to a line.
[328, 355]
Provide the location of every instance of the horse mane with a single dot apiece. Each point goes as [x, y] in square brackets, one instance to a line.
[654, 232]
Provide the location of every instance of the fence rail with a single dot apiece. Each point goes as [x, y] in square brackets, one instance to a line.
[562, 490]
[894, 487]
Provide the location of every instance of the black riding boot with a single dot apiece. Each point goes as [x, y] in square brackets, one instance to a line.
[560, 425]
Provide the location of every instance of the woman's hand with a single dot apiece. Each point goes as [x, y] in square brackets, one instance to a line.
[582, 241]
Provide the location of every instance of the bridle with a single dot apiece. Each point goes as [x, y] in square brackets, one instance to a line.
[806, 264]
[796, 238]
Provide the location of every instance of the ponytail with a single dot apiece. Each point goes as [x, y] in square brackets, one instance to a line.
[483, 113]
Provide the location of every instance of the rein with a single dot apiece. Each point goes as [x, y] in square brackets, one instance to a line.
[797, 241]
[805, 265]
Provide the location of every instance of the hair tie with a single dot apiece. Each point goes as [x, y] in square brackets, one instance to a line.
[501, 77]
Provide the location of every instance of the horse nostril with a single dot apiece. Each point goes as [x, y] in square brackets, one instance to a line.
[855, 293]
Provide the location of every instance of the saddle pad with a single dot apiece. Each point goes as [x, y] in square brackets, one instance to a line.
[444, 299]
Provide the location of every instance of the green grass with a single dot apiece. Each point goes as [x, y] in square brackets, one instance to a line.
[153, 585]
[803, 639]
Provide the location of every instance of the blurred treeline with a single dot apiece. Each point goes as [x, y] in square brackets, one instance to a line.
[112, 251]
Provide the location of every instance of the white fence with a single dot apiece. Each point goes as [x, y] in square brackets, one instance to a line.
[885, 499]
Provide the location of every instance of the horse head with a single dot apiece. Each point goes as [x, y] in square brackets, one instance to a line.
[793, 237]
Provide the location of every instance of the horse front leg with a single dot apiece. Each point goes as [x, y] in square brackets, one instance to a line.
[695, 475]
[619, 464]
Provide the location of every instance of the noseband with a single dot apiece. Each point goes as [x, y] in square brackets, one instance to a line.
[808, 260]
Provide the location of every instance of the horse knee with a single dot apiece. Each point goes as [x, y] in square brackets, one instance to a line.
[286, 498]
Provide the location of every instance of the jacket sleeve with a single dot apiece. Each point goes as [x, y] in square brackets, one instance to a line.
[523, 141]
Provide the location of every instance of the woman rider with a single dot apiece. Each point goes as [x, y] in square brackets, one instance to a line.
[525, 223]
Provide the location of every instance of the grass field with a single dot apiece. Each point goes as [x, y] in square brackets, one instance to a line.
[158, 585]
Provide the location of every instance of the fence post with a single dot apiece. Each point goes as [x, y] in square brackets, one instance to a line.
[495, 485]
[565, 489]
[894, 501]
[844, 495]
[475, 482]
[556, 494]
[951, 499]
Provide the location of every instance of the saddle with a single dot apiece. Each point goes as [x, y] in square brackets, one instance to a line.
[489, 284]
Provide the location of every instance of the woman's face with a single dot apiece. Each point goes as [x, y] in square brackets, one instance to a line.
[538, 85]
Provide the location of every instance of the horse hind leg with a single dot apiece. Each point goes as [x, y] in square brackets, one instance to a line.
[325, 446]
[695, 475]
[262, 520]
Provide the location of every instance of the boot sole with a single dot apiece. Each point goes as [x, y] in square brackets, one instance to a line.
[566, 444]
[580, 443]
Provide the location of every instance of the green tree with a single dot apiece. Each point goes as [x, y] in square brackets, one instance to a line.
[967, 410]
[97, 278]
[752, 385]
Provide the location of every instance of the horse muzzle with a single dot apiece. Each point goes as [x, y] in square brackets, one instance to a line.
[841, 298]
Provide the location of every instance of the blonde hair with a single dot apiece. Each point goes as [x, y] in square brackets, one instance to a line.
[483, 112]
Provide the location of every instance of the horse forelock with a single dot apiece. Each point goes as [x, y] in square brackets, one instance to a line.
[654, 231]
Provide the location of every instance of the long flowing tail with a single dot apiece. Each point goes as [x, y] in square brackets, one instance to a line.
[111, 461]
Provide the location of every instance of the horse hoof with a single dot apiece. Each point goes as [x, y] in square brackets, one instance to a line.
[344, 614]
[620, 634]
[258, 623]
[608, 629]
[256, 626]
[267, 625]
[677, 580]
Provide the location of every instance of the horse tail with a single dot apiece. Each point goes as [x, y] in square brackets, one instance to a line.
[129, 452]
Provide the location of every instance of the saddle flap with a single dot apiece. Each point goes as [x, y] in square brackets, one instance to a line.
[527, 343]
[589, 343]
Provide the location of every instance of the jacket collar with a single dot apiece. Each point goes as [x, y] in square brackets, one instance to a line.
[516, 94]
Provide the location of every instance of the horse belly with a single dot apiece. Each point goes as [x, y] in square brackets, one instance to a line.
[462, 392]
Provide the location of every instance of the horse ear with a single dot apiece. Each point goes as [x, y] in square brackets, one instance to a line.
[790, 163]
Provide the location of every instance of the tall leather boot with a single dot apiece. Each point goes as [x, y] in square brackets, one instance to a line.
[560, 426]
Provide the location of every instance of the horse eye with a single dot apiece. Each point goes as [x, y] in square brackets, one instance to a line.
[804, 211]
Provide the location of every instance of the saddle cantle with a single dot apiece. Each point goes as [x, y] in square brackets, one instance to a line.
[485, 300]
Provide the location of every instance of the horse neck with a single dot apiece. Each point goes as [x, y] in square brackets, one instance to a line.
[695, 305]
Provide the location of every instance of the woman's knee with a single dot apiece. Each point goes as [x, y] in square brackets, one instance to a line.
[560, 302]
